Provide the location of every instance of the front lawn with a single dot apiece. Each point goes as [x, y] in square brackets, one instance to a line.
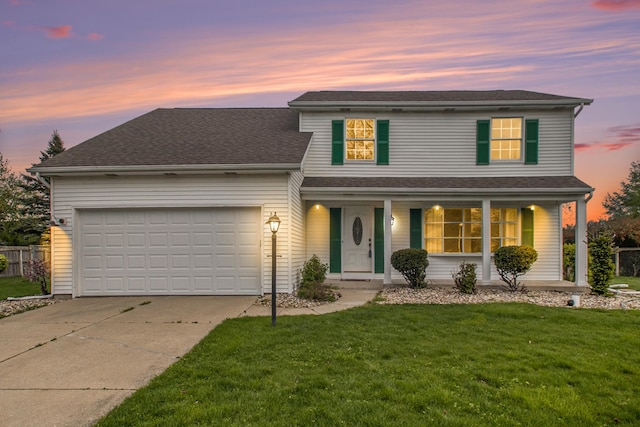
[17, 287]
[406, 365]
[633, 282]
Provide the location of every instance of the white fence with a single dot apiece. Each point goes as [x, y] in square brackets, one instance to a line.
[18, 256]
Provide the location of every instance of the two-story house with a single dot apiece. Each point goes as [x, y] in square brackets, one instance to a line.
[175, 201]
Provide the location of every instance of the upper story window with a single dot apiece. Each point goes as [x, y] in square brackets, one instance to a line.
[506, 138]
[360, 139]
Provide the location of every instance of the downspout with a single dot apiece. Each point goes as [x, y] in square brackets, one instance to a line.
[588, 197]
[579, 111]
[43, 181]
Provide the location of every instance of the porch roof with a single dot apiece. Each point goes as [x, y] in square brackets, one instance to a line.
[561, 186]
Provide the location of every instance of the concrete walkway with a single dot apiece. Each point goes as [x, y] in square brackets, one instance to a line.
[70, 363]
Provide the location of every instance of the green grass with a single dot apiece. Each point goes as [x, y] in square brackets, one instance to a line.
[17, 287]
[633, 282]
[451, 365]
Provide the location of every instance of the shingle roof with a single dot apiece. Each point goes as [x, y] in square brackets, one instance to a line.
[462, 96]
[194, 136]
[568, 183]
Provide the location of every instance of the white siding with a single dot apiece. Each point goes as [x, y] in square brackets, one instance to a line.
[317, 225]
[270, 192]
[297, 219]
[440, 144]
[547, 241]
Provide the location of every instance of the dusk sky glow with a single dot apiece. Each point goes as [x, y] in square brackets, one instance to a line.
[83, 67]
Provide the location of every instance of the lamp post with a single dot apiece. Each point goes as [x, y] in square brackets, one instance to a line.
[274, 224]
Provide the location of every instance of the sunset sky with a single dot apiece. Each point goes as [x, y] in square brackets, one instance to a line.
[85, 66]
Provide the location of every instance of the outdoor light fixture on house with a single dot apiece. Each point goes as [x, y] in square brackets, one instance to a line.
[56, 222]
[274, 225]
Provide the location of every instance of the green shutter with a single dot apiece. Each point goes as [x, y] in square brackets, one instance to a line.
[382, 132]
[483, 143]
[527, 227]
[337, 142]
[531, 142]
[335, 240]
[378, 240]
[415, 228]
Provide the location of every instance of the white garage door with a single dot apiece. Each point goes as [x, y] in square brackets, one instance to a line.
[169, 251]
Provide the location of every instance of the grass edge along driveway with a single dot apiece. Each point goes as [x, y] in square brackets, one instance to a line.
[487, 364]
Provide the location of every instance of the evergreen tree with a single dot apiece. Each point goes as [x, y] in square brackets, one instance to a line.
[625, 203]
[36, 200]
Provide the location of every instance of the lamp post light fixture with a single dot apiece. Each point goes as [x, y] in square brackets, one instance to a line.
[274, 225]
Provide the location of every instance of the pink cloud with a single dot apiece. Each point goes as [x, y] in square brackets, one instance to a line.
[615, 146]
[626, 134]
[620, 137]
[61, 32]
[615, 5]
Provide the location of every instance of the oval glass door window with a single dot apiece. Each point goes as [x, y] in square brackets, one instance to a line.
[357, 231]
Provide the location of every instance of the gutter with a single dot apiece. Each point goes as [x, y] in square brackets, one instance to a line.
[164, 169]
[577, 113]
[438, 105]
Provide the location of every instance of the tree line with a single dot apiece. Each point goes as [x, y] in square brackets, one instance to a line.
[622, 208]
[25, 203]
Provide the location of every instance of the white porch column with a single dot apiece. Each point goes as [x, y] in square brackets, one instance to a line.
[387, 242]
[486, 242]
[581, 243]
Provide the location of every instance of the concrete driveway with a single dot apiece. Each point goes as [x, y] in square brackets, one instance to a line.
[70, 363]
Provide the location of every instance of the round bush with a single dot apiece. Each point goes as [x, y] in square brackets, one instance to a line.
[514, 261]
[412, 263]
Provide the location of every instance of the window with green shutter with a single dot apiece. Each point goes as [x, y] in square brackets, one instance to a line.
[358, 139]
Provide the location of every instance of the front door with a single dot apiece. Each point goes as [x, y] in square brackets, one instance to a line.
[357, 240]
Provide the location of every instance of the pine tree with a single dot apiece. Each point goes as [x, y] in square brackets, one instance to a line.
[36, 202]
[625, 203]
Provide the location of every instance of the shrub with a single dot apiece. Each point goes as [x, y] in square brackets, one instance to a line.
[412, 263]
[37, 271]
[600, 267]
[465, 278]
[312, 286]
[318, 291]
[569, 262]
[313, 270]
[512, 262]
[3, 263]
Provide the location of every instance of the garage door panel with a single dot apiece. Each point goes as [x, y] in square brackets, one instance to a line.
[180, 240]
[158, 240]
[136, 262]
